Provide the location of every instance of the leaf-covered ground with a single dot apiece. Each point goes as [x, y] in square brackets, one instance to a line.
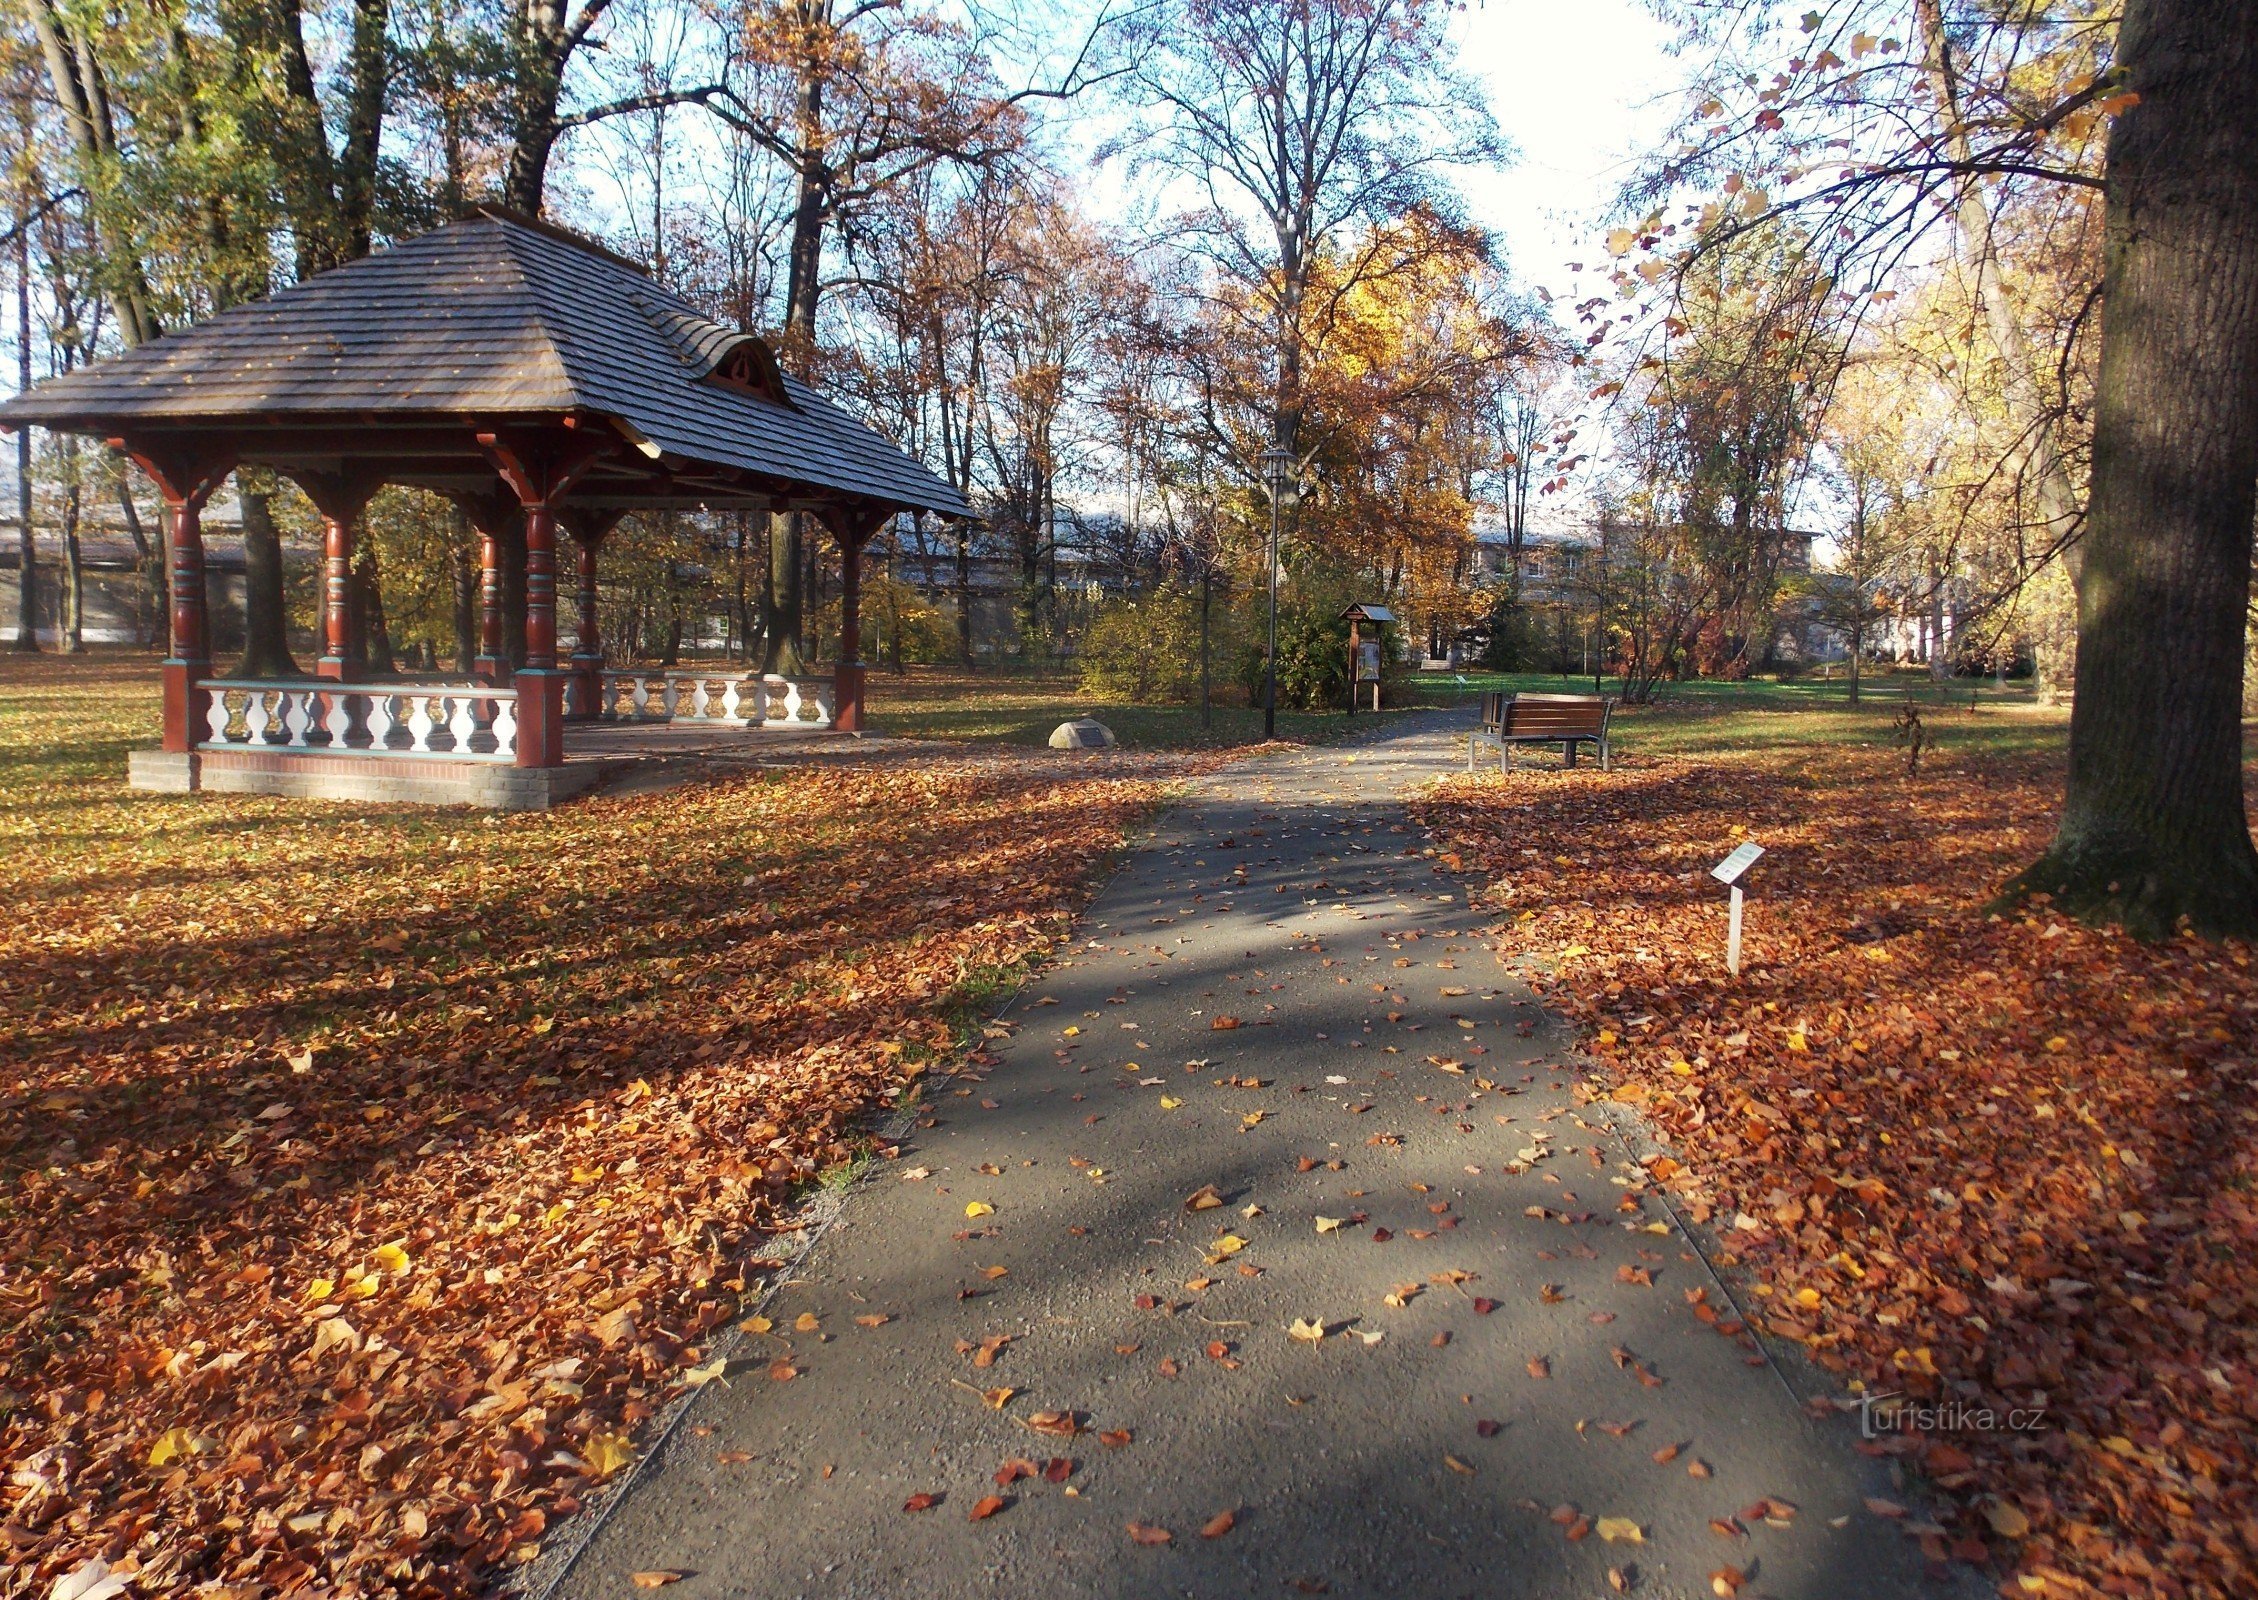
[367, 1175]
[2001, 1161]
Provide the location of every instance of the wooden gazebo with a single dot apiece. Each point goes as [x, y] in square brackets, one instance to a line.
[538, 381]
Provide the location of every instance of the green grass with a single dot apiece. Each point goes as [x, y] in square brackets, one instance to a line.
[1700, 718]
[1023, 708]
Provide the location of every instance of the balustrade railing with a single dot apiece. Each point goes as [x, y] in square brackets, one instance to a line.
[455, 722]
[718, 699]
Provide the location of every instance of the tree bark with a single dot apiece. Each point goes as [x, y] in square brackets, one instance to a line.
[74, 577]
[266, 643]
[466, 592]
[2153, 826]
[27, 553]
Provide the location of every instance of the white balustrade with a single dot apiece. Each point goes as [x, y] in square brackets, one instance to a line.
[798, 705]
[728, 697]
[448, 722]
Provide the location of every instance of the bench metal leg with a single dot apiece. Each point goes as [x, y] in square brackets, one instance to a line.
[1605, 760]
[1568, 751]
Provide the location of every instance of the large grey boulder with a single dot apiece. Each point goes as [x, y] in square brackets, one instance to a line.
[1083, 733]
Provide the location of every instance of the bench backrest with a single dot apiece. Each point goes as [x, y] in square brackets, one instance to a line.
[1553, 716]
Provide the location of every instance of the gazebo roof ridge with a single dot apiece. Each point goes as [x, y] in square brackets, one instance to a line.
[495, 320]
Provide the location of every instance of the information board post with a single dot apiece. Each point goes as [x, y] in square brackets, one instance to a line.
[1728, 872]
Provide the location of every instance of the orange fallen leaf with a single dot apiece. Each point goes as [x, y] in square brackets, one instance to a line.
[1219, 1525]
[1147, 1533]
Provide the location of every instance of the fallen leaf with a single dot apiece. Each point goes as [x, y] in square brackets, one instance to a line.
[921, 1502]
[987, 1506]
[1621, 1530]
[1219, 1525]
[656, 1578]
[979, 1208]
[1146, 1533]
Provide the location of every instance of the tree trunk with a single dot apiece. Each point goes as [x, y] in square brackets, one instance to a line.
[2153, 825]
[963, 531]
[787, 592]
[1857, 647]
[803, 286]
[266, 643]
[27, 554]
[74, 578]
[466, 593]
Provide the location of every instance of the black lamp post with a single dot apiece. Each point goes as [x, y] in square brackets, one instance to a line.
[1277, 475]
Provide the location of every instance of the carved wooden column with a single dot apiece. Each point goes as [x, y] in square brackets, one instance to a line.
[540, 472]
[186, 483]
[490, 516]
[340, 498]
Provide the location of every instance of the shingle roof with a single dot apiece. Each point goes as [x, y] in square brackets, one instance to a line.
[487, 319]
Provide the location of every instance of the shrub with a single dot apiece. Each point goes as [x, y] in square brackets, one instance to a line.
[1146, 649]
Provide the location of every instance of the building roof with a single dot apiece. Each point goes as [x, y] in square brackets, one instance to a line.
[494, 320]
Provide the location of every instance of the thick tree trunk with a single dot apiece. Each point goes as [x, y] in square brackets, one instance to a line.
[27, 554]
[266, 642]
[74, 578]
[466, 593]
[372, 634]
[2153, 825]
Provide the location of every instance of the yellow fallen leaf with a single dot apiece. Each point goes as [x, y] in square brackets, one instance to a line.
[979, 1208]
[1621, 1530]
[1169, 1103]
[320, 1289]
[1229, 1245]
[390, 1257]
[1329, 1224]
[1307, 1329]
[1457, 1465]
[756, 1325]
[1072, 1029]
[172, 1445]
[808, 1322]
[2007, 1519]
[699, 1377]
[607, 1453]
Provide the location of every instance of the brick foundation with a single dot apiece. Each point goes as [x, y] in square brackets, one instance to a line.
[383, 779]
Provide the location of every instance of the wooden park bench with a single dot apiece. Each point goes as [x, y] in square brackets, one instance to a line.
[1563, 719]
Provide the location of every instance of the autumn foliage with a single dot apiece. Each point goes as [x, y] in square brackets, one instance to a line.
[371, 1175]
[2003, 1160]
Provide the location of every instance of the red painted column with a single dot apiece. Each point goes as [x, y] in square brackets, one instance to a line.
[336, 592]
[540, 687]
[191, 657]
[847, 676]
[185, 486]
[492, 663]
[540, 587]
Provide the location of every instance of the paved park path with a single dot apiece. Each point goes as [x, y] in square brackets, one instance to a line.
[1391, 1134]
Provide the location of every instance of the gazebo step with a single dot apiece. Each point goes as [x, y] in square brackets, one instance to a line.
[385, 779]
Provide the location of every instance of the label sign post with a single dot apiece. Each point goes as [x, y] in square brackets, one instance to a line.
[1728, 872]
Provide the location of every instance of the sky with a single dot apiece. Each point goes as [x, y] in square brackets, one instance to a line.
[1581, 87]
